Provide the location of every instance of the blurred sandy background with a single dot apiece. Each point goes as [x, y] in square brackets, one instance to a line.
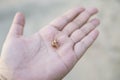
[102, 60]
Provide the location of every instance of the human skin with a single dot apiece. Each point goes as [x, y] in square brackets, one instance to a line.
[34, 58]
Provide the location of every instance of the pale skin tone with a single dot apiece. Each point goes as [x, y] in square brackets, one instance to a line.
[34, 58]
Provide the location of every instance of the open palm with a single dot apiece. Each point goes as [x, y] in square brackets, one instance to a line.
[34, 58]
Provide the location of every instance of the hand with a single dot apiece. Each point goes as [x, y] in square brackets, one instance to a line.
[34, 58]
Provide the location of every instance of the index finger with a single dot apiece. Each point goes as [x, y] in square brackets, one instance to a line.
[60, 22]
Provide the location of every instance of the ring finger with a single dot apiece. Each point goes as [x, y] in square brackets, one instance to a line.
[77, 35]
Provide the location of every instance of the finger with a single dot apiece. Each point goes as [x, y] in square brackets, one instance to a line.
[83, 45]
[77, 35]
[60, 22]
[80, 20]
[17, 25]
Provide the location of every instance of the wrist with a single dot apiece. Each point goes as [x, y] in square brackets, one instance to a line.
[5, 73]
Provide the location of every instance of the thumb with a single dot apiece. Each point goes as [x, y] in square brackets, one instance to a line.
[17, 25]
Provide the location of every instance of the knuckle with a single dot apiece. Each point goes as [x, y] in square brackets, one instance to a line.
[75, 23]
[65, 18]
[84, 31]
[73, 38]
[85, 16]
[83, 45]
